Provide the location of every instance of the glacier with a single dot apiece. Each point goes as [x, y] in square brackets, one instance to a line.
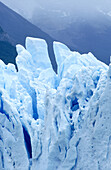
[52, 121]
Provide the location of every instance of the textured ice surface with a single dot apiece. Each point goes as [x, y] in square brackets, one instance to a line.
[50, 121]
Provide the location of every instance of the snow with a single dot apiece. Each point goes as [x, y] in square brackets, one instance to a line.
[50, 121]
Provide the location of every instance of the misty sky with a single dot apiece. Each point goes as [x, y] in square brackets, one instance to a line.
[28, 7]
[52, 15]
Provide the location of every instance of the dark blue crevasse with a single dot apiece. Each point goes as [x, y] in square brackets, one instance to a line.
[59, 148]
[30, 164]
[94, 123]
[27, 142]
[72, 168]
[89, 93]
[34, 104]
[74, 104]
[77, 143]
[66, 151]
[56, 123]
[76, 160]
[1, 138]
[40, 151]
[14, 164]
[97, 110]
[70, 115]
[2, 159]
[72, 130]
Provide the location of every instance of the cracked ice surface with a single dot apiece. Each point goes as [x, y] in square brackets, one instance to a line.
[50, 121]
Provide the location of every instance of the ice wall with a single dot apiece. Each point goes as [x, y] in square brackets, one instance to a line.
[50, 121]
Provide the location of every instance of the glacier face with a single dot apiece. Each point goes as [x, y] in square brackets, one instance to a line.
[50, 121]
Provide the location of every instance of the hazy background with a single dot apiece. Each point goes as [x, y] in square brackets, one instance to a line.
[35, 9]
[28, 6]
